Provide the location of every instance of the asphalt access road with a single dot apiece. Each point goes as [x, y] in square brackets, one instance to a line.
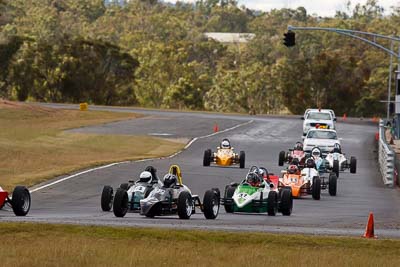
[77, 200]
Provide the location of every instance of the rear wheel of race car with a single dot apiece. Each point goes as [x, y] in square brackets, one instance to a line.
[286, 202]
[211, 204]
[353, 165]
[332, 187]
[242, 158]
[229, 191]
[21, 201]
[124, 186]
[316, 188]
[282, 156]
[207, 157]
[272, 205]
[336, 167]
[106, 198]
[120, 203]
[185, 205]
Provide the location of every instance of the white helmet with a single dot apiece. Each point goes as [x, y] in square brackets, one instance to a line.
[225, 144]
[145, 177]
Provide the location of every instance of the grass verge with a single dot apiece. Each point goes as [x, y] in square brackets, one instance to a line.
[28, 245]
[35, 147]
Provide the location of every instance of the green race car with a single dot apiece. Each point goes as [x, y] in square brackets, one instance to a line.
[258, 193]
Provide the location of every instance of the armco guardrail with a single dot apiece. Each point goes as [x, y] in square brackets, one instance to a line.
[386, 157]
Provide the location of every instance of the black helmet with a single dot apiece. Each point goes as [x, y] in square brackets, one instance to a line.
[170, 180]
[337, 148]
[252, 178]
[298, 146]
[310, 163]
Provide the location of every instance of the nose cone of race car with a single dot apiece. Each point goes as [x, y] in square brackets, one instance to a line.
[148, 205]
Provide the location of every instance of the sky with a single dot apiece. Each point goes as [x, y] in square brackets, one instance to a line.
[324, 8]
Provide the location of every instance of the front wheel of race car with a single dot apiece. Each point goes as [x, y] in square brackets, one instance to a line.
[336, 167]
[353, 165]
[106, 198]
[316, 188]
[332, 187]
[229, 191]
[21, 201]
[211, 204]
[120, 203]
[185, 205]
[242, 158]
[272, 205]
[207, 157]
[282, 156]
[286, 205]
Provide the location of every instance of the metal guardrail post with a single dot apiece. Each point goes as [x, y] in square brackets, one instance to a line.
[386, 157]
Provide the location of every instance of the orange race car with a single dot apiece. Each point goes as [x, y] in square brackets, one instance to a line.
[224, 156]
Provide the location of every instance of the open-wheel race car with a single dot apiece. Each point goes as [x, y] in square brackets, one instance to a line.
[258, 193]
[337, 161]
[224, 156]
[308, 181]
[172, 198]
[295, 155]
[136, 191]
[20, 201]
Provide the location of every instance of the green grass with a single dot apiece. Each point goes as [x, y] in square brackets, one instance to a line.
[26, 244]
[34, 146]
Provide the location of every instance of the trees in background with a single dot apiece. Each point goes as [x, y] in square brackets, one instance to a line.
[155, 55]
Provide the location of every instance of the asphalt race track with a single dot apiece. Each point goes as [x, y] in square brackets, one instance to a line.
[77, 199]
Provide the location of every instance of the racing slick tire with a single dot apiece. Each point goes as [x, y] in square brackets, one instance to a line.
[286, 205]
[336, 167]
[185, 205]
[211, 204]
[21, 200]
[353, 165]
[316, 188]
[272, 204]
[120, 203]
[124, 186]
[242, 159]
[332, 186]
[207, 157]
[282, 156]
[229, 191]
[107, 198]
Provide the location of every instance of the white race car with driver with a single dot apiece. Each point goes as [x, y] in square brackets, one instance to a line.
[337, 161]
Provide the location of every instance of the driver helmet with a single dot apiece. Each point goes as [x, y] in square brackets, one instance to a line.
[263, 173]
[293, 169]
[253, 179]
[225, 144]
[298, 146]
[169, 180]
[310, 163]
[145, 177]
[336, 148]
[316, 153]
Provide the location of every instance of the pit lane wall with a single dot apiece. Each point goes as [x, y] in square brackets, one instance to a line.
[386, 157]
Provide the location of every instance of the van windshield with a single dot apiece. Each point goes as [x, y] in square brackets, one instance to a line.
[319, 116]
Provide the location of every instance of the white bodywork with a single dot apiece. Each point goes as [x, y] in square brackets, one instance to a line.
[310, 121]
[308, 174]
[241, 199]
[336, 156]
[139, 187]
[326, 144]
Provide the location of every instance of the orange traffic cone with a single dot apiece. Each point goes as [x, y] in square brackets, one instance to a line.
[369, 230]
[344, 117]
[216, 129]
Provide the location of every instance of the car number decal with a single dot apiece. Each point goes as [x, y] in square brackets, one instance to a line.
[140, 189]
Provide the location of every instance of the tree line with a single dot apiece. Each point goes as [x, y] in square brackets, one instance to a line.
[151, 54]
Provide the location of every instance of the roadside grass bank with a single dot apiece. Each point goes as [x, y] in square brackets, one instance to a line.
[34, 146]
[29, 244]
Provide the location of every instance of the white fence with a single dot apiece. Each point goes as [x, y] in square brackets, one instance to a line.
[386, 157]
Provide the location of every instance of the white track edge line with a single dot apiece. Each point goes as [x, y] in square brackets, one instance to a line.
[141, 160]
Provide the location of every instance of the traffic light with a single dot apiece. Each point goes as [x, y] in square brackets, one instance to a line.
[289, 39]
